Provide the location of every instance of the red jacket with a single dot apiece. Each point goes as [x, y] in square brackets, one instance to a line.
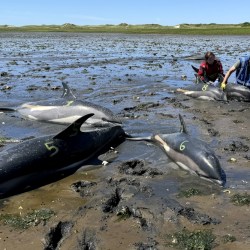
[210, 72]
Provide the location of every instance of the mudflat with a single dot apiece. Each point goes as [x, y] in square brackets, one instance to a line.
[140, 199]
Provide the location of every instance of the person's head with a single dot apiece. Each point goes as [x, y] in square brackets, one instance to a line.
[210, 57]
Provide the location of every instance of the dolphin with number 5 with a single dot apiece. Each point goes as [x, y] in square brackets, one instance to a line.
[191, 154]
[65, 110]
[45, 159]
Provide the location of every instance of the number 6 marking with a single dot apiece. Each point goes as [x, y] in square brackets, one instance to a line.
[182, 146]
[51, 147]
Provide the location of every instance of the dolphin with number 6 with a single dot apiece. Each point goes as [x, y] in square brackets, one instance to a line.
[191, 154]
[65, 110]
[42, 160]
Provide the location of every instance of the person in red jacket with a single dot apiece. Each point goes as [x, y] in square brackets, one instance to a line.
[210, 69]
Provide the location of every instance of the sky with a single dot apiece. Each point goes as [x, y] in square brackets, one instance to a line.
[101, 12]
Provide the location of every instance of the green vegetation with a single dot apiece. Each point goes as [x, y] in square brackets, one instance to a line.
[182, 29]
[123, 214]
[228, 238]
[241, 199]
[31, 219]
[189, 192]
[199, 239]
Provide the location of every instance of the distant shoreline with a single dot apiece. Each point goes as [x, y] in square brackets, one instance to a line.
[182, 29]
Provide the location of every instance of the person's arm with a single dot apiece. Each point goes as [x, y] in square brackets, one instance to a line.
[228, 74]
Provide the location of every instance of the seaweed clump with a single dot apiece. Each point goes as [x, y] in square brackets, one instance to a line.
[31, 219]
[189, 192]
[191, 240]
[241, 199]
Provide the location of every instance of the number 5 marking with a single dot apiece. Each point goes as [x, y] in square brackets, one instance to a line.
[182, 146]
[51, 147]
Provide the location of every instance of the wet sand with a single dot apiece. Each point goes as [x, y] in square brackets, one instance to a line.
[147, 194]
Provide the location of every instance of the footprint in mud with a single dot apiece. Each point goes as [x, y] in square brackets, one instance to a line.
[137, 167]
[112, 202]
[237, 146]
[84, 188]
[56, 235]
[213, 132]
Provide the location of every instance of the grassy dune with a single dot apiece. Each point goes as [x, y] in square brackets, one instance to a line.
[182, 29]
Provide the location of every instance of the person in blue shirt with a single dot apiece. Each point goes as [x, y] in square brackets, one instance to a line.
[242, 68]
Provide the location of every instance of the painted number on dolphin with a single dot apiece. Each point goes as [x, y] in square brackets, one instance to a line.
[205, 86]
[182, 145]
[51, 147]
[69, 103]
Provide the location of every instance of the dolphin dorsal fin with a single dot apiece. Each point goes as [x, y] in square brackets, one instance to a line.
[67, 93]
[183, 125]
[74, 128]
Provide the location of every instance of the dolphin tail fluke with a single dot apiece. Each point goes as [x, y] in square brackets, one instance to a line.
[74, 128]
[67, 93]
[195, 69]
[198, 79]
[183, 125]
[7, 109]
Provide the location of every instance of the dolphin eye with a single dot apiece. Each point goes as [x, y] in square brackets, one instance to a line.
[211, 158]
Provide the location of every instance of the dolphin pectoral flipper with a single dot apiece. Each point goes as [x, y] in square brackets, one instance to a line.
[3, 109]
[110, 120]
[74, 128]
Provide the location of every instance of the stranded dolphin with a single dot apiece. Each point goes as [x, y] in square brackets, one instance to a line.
[237, 92]
[190, 154]
[42, 160]
[204, 91]
[65, 110]
[232, 91]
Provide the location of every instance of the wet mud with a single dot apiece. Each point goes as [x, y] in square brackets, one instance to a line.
[138, 199]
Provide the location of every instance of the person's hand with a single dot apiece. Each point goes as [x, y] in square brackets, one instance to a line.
[223, 86]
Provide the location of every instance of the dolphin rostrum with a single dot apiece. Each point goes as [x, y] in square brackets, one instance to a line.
[49, 158]
[190, 153]
[65, 110]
